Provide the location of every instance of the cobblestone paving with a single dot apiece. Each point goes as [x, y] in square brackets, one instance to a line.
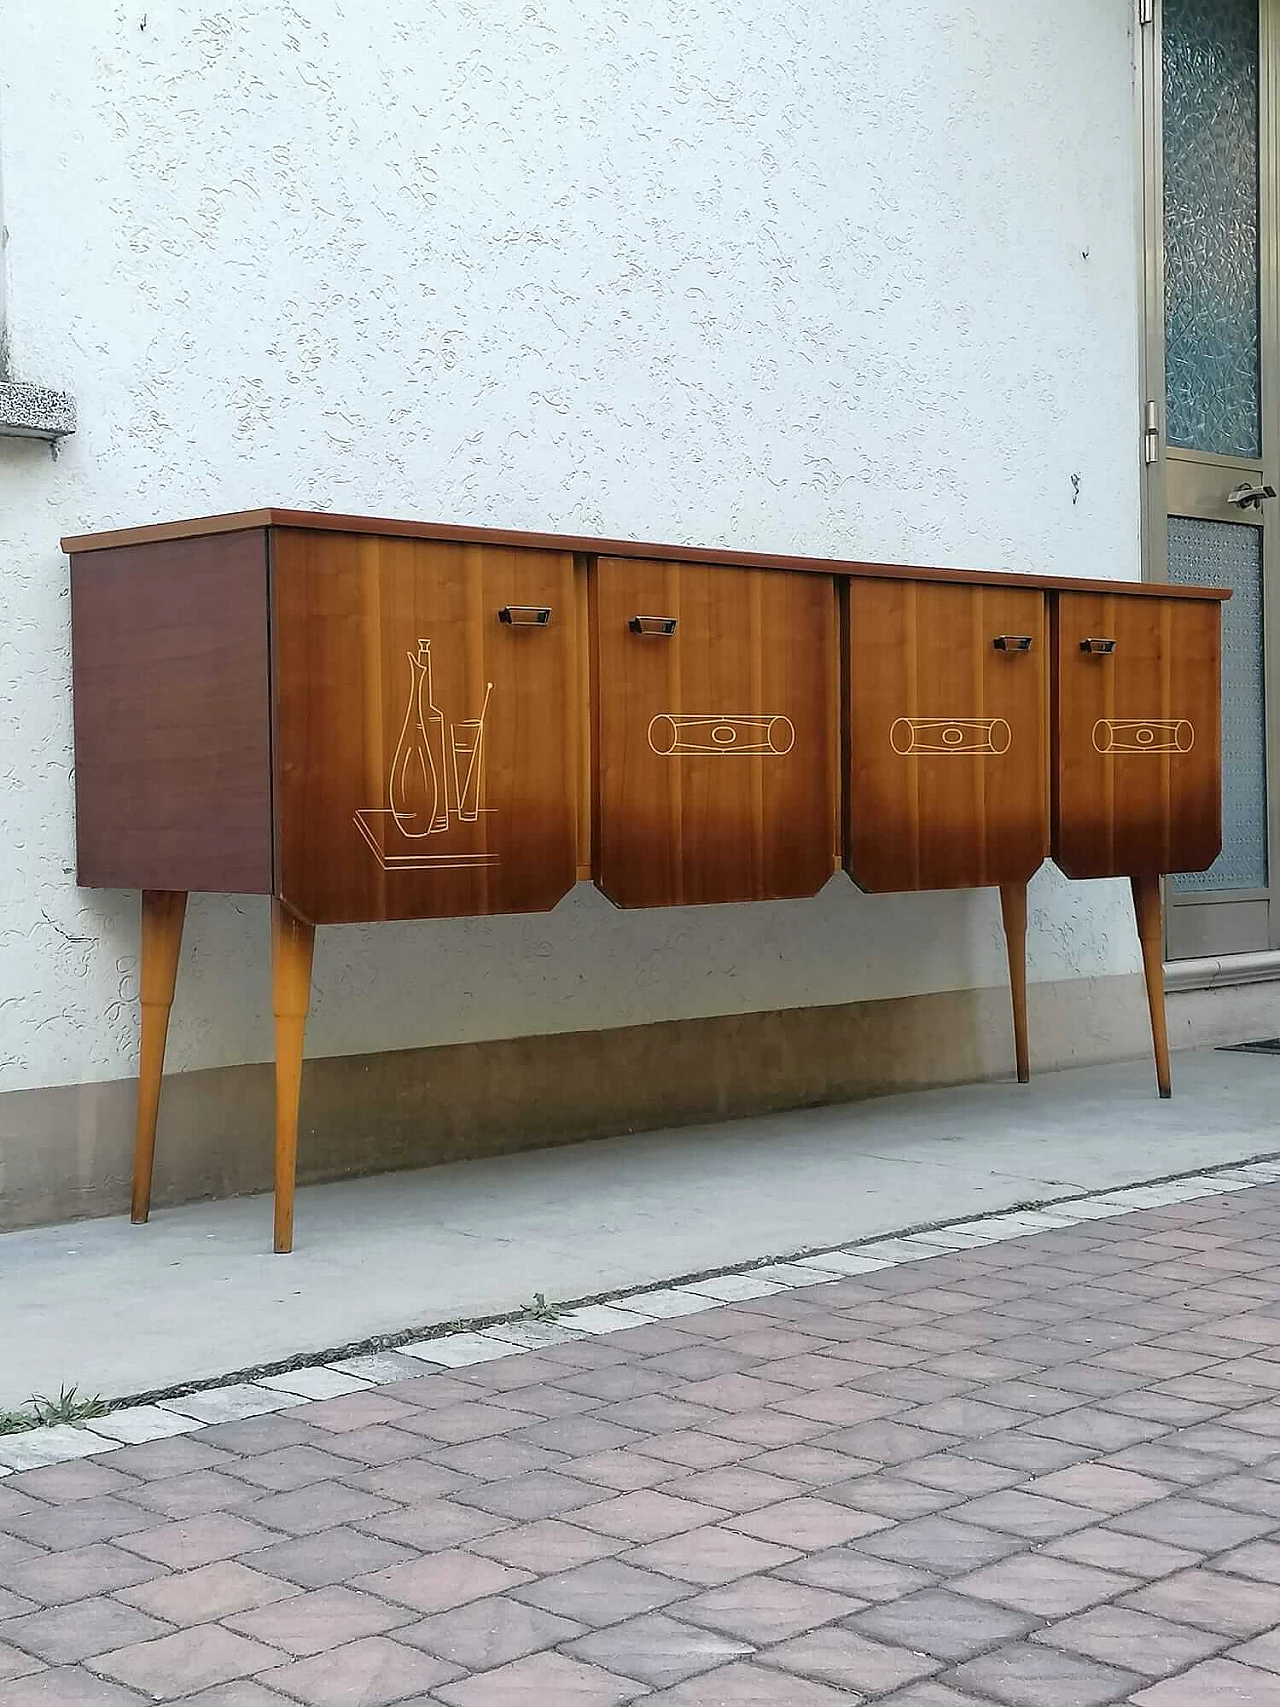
[1043, 1473]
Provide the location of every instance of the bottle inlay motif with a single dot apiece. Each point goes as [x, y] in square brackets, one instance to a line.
[418, 792]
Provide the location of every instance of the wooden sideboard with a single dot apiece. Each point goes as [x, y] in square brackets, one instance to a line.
[374, 720]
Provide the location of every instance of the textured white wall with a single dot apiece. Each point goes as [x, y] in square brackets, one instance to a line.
[832, 276]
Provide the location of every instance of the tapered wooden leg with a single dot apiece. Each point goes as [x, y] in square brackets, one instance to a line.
[1146, 904]
[163, 911]
[1013, 910]
[291, 945]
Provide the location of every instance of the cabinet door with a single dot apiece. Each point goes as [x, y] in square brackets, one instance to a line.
[947, 738]
[426, 750]
[717, 731]
[1137, 786]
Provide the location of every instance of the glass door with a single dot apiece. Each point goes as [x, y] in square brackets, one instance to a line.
[1209, 439]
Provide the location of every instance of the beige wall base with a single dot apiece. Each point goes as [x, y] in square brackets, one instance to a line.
[66, 1152]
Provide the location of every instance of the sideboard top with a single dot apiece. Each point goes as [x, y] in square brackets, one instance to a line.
[323, 521]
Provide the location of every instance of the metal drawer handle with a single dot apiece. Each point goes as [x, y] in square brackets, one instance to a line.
[525, 616]
[662, 625]
[1098, 648]
[1012, 643]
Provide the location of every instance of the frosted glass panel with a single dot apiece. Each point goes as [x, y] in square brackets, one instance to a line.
[1218, 554]
[1211, 225]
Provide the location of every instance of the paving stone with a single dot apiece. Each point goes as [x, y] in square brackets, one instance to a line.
[657, 1650]
[1030, 1515]
[1135, 1641]
[78, 1523]
[765, 1609]
[947, 1626]
[1100, 1487]
[1172, 1464]
[434, 1525]
[647, 1515]
[1221, 1680]
[324, 1618]
[710, 1556]
[749, 1684]
[1258, 1559]
[863, 1579]
[59, 1635]
[537, 1494]
[170, 1457]
[372, 1672]
[1194, 1523]
[888, 1442]
[540, 1679]
[16, 1662]
[52, 1579]
[808, 1523]
[940, 1544]
[491, 1632]
[1231, 1605]
[334, 1556]
[547, 1546]
[737, 1488]
[1048, 1587]
[814, 1465]
[624, 1471]
[1027, 1675]
[318, 1506]
[696, 1451]
[886, 1495]
[188, 1660]
[1131, 1555]
[409, 1481]
[604, 1592]
[192, 1495]
[1256, 1493]
[55, 1484]
[1263, 1651]
[497, 1457]
[969, 1476]
[289, 1467]
[207, 1593]
[66, 1686]
[356, 1410]
[848, 1660]
[441, 1580]
[198, 1540]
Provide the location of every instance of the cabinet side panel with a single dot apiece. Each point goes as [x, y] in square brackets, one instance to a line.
[172, 726]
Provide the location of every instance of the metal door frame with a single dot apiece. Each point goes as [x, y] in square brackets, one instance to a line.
[1203, 476]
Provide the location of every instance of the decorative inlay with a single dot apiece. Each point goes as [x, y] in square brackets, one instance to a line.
[965, 736]
[430, 788]
[1143, 735]
[677, 734]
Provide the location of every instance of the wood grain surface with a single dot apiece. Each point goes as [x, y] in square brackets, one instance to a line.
[1137, 735]
[946, 736]
[499, 835]
[716, 746]
[172, 722]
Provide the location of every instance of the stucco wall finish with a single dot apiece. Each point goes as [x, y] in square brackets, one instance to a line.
[832, 277]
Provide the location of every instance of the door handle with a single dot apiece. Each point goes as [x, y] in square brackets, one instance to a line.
[1246, 497]
[1012, 643]
[661, 625]
[1098, 648]
[525, 616]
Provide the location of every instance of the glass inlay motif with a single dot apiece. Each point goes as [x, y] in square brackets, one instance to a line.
[1220, 554]
[1211, 225]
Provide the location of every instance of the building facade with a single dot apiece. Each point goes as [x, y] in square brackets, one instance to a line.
[823, 279]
